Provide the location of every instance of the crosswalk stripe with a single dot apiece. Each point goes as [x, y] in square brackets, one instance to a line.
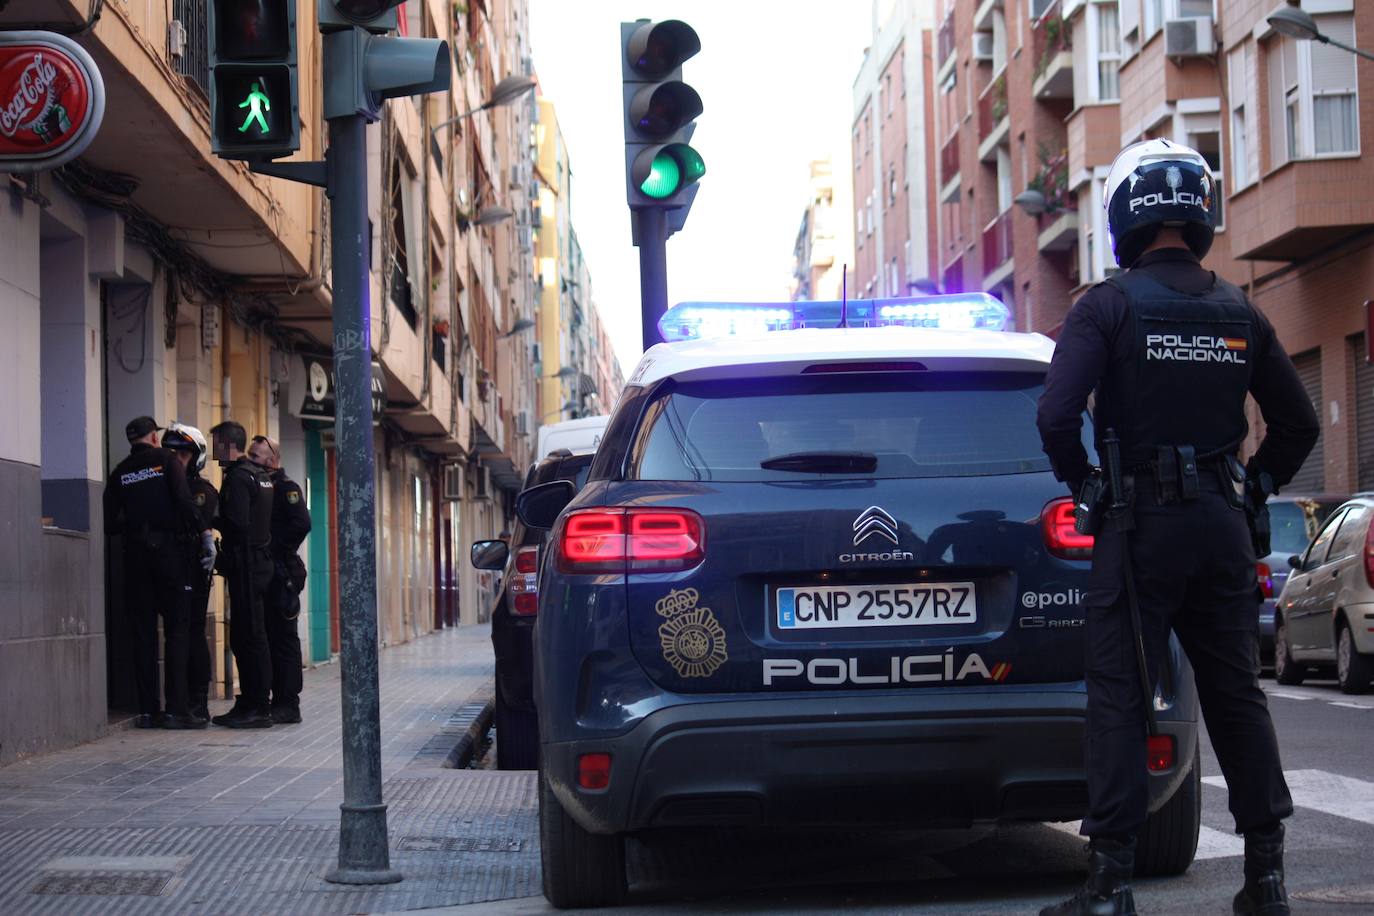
[1289, 696]
[1350, 705]
[1329, 793]
[1211, 844]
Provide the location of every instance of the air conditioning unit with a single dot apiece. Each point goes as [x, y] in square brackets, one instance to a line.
[1190, 37]
[982, 46]
[176, 39]
[453, 482]
[522, 423]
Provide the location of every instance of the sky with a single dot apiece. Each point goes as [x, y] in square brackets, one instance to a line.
[776, 82]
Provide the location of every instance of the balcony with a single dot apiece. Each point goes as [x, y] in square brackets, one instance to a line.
[1058, 224]
[997, 251]
[949, 169]
[982, 17]
[1053, 48]
[952, 279]
[944, 43]
[1093, 132]
[1303, 207]
[994, 123]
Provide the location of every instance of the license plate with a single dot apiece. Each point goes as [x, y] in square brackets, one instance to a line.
[832, 606]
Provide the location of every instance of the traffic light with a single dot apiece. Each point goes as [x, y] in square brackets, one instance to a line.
[661, 167]
[363, 68]
[253, 90]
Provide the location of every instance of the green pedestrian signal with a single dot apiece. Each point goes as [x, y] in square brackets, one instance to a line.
[254, 108]
[256, 103]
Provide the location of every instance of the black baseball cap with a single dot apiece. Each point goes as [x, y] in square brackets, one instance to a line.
[139, 427]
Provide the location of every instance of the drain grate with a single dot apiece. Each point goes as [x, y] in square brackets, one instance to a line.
[461, 844]
[1350, 894]
[125, 884]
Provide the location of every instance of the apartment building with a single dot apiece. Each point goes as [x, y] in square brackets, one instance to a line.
[825, 245]
[150, 276]
[891, 151]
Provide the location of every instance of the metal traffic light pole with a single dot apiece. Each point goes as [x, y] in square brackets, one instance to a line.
[652, 233]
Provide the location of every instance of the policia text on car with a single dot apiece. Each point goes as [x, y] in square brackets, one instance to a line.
[1172, 351]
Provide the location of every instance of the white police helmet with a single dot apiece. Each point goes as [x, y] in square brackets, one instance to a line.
[181, 437]
[1157, 183]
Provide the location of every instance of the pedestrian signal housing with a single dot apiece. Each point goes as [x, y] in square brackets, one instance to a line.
[364, 67]
[254, 107]
[661, 167]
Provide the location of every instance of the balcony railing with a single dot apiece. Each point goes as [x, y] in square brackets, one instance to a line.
[1052, 37]
[945, 41]
[992, 106]
[949, 159]
[997, 243]
[194, 60]
[952, 281]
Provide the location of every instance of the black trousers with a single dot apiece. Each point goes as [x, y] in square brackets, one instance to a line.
[284, 641]
[156, 585]
[250, 572]
[198, 646]
[1195, 575]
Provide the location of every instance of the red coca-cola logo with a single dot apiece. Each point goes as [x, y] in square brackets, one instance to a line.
[51, 98]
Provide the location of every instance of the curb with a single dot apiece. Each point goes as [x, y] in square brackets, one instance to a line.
[475, 719]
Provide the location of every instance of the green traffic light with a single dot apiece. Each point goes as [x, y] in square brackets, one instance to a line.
[256, 102]
[664, 177]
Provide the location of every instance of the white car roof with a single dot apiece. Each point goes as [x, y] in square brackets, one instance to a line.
[789, 352]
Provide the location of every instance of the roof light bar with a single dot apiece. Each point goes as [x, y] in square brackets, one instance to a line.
[702, 320]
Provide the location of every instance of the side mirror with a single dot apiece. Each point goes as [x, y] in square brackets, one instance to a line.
[1295, 562]
[490, 554]
[539, 507]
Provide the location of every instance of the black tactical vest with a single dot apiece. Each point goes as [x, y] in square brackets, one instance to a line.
[1188, 370]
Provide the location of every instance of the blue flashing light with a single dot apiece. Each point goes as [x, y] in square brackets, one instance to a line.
[961, 311]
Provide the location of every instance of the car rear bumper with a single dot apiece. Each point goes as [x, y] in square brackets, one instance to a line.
[948, 758]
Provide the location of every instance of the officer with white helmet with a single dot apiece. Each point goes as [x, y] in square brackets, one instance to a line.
[188, 444]
[1171, 351]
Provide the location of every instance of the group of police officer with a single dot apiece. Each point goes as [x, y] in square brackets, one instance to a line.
[166, 514]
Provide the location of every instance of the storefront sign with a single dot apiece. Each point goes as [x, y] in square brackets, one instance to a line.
[52, 100]
[319, 390]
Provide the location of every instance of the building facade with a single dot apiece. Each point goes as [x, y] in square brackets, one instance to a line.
[151, 277]
[825, 244]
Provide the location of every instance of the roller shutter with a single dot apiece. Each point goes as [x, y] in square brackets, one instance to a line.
[1311, 477]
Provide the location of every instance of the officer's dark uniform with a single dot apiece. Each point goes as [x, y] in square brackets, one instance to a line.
[205, 497]
[148, 502]
[1172, 351]
[290, 525]
[245, 520]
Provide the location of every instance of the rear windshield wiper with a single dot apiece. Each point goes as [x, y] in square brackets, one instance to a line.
[823, 462]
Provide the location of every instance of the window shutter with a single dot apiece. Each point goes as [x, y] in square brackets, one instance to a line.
[1129, 11]
[1333, 70]
[1277, 114]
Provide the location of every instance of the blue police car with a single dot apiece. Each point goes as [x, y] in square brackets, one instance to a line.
[821, 574]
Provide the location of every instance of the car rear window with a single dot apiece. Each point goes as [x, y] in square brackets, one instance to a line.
[944, 424]
[1292, 524]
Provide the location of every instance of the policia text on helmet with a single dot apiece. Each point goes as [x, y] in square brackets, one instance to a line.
[1171, 352]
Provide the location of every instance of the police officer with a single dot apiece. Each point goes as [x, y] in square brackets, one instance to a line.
[245, 521]
[148, 502]
[188, 444]
[290, 525]
[1171, 351]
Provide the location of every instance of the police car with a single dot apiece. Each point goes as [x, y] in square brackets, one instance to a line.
[821, 574]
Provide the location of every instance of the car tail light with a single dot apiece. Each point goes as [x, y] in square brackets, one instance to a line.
[1159, 753]
[1056, 523]
[1369, 556]
[594, 771]
[1265, 575]
[631, 540]
[527, 560]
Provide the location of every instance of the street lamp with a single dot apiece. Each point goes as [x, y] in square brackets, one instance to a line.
[1296, 23]
[506, 91]
[521, 324]
[565, 372]
[490, 216]
[567, 405]
[1031, 201]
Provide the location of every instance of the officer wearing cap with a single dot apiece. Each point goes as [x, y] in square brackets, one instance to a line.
[245, 521]
[1171, 351]
[148, 502]
[188, 444]
[290, 525]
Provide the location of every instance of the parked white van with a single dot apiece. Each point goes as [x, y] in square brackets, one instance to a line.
[580, 436]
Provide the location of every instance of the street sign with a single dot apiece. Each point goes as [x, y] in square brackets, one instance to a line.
[317, 402]
[52, 100]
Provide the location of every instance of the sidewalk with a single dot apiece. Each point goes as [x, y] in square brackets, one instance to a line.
[223, 821]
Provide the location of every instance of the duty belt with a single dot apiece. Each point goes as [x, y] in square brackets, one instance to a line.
[1174, 471]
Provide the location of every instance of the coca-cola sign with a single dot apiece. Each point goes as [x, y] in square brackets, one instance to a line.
[52, 100]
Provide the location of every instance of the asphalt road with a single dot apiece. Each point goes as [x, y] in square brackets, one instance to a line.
[1327, 740]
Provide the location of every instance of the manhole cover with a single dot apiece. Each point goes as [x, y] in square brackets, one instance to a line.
[114, 885]
[1355, 893]
[461, 844]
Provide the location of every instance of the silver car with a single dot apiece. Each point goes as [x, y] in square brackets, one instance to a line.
[1325, 614]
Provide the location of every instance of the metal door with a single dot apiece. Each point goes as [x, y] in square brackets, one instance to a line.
[1364, 414]
[1311, 477]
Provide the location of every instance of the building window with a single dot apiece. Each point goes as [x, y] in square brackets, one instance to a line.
[868, 203]
[999, 41]
[891, 185]
[1242, 107]
[1202, 132]
[1313, 103]
[1153, 14]
[888, 90]
[1104, 34]
[1003, 180]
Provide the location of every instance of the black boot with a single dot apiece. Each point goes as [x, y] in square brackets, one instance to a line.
[200, 706]
[244, 715]
[1263, 893]
[1107, 892]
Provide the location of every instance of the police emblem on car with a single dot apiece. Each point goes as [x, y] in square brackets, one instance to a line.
[693, 640]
